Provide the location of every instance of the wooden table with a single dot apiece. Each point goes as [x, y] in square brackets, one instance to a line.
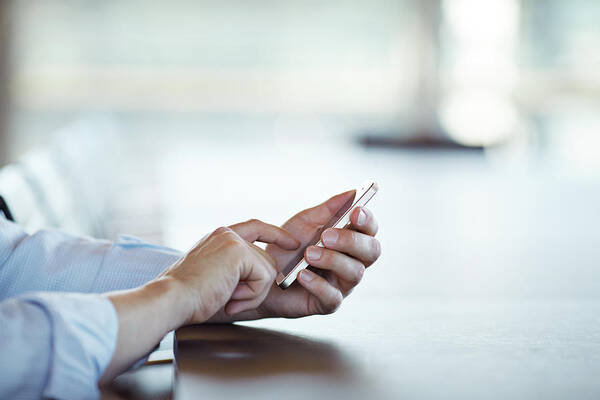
[487, 287]
[400, 349]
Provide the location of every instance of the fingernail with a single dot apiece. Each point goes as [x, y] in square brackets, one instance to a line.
[307, 275]
[362, 217]
[330, 236]
[313, 253]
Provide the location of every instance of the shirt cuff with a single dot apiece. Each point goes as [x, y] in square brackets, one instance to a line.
[84, 334]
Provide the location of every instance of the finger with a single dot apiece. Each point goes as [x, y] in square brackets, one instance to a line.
[250, 294]
[329, 297]
[323, 212]
[343, 266]
[242, 292]
[363, 220]
[358, 245]
[262, 275]
[265, 257]
[238, 306]
[255, 230]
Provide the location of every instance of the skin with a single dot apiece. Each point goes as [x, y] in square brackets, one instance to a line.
[226, 278]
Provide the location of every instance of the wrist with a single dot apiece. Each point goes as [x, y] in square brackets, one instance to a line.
[264, 310]
[145, 315]
[171, 302]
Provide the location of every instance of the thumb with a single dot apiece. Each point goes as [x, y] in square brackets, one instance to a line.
[323, 212]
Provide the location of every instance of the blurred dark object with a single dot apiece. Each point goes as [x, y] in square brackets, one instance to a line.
[5, 210]
[417, 142]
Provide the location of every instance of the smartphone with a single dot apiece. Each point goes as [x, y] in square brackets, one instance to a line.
[341, 219]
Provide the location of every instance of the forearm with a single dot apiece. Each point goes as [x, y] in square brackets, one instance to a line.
[145, 315]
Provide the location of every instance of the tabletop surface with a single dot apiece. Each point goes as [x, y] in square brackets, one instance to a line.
[488, 285]
[395, 349]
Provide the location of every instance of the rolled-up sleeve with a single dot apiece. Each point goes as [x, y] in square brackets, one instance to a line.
[55, 345]
[55, 261]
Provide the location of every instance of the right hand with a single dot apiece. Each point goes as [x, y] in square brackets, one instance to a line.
[224, 270]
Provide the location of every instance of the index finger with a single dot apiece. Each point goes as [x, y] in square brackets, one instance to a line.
[255, 230]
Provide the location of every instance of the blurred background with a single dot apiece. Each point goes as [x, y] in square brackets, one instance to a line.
[479, 119]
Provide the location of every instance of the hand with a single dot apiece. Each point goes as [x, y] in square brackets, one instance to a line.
[226, 270]
[223, 272]
[341, 264]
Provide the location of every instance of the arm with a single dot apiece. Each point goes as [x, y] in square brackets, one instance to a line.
[55, 345]
[55, 261]
[60, 345]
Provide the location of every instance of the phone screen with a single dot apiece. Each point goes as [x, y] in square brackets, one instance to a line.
[315, 239]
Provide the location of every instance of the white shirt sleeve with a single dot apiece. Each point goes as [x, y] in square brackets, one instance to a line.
[55, 345]
[55, 261]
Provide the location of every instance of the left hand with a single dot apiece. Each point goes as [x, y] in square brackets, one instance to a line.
[341, 264]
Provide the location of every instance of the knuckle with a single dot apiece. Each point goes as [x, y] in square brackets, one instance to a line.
[253, 221]
[371, 219]
[334, 302]
[272, 272]
[227, 235]
[350, 240]
[359, 272]
[375, 248]
[327, 257]
[355, 239]
[344, 238]
[270, 260]
[220, 230]
[229, 245]
[231, 240]
[375, 226]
